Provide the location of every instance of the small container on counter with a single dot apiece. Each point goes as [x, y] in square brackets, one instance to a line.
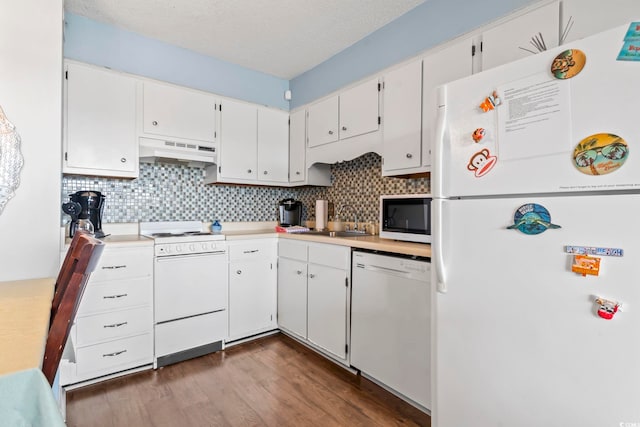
[216, 227]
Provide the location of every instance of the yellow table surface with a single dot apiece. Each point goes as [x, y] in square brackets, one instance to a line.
[25, 306]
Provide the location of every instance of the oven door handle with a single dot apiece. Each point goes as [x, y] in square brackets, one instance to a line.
[179, 257]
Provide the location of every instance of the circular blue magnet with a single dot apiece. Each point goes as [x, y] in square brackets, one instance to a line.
[532, 218]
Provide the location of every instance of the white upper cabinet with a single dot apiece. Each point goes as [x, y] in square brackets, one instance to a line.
[589, 17]
[273, 145]
[238, 141]
[353, 112]
[359, 112]
[254, 145]
[502, 43]
[323, 122]
[297, 135]
[100, 122]
[177, 112]
[401, 130]
[448, 64]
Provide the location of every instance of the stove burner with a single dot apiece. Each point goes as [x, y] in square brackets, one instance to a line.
[198, 233]
[168, 234]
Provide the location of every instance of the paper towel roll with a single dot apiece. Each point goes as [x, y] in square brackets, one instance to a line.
[322, 211]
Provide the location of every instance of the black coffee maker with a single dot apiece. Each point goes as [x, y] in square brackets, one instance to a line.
[85, 204]
[290, 212]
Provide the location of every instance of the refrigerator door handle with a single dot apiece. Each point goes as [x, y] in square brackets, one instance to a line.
[437, 246]
[439, 141]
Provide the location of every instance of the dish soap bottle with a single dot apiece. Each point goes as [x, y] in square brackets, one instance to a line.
[216, 227]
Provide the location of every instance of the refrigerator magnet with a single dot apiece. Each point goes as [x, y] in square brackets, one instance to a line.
[531, 219]
[607, 309]
[478, 134]
[600, 154]
[568, 64]
[586, 264]
[490, 102]
[481, 163]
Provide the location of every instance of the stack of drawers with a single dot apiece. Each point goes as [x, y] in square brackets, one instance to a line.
[113, 330]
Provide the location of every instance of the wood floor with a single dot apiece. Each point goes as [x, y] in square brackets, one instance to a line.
[273, 381]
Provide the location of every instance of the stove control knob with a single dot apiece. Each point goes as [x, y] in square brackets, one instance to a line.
[178, 248]
[167, 249]
[204, 246]
[192, 247]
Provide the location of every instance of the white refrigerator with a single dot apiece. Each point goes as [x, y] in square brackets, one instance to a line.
[536, 241]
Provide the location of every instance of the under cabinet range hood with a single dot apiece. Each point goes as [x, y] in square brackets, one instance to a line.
[195, 154]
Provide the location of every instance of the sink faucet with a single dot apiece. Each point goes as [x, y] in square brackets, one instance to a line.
[341, 212]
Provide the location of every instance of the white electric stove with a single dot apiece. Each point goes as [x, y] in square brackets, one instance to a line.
[190, 290]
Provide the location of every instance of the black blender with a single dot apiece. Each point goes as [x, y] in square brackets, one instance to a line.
[85, 206]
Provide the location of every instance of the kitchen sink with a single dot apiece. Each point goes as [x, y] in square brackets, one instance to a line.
[337, 233]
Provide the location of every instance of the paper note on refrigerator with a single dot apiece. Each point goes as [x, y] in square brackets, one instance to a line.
[535, 118]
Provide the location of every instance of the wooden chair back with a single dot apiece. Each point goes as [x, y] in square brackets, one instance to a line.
[80, 261]
[64, 275]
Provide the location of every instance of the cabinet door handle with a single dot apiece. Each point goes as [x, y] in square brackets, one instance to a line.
[123, 160]
[248, 170]
[330, 132]
[114, 353]
[298, 272]
[312, 275]
[253, 251]
[115, 325]
[409, 155]
[297, 172]
[344, 128]
[239, 272]
[155, 123]
[114, 296]
[113, 267]
[265, 172]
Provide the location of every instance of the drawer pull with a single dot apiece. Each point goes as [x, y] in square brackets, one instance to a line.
[113, 267]
[251, 251]
[114, 296]
[115, 325]
[298, 272]
[114, 354]
[312, 275]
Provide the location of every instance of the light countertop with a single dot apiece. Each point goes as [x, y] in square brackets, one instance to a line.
[363, 242]
[25, 307]
[366, 242]
[265, 230]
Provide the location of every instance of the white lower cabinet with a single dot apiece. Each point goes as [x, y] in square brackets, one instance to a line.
[292, 295]
[252, 287]
[113, 330]
[327, 308]
[314, 294]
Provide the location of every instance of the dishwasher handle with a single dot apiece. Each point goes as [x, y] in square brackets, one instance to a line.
[386, 270]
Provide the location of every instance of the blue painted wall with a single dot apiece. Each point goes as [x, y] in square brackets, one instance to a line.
[101, 44]
[428, 25]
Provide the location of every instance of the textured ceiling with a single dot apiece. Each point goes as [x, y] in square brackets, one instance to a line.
[283, 38]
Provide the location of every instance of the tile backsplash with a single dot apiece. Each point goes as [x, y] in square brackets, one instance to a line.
[356, 189]
[167, 192]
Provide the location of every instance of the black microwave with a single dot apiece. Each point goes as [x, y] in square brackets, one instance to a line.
[406, 217]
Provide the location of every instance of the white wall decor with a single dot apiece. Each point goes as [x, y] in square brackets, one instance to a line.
[11, 160]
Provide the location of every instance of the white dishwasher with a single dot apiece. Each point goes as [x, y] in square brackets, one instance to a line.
[391, 323]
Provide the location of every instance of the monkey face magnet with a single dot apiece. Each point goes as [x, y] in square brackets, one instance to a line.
[532, 218]
[481, 163]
